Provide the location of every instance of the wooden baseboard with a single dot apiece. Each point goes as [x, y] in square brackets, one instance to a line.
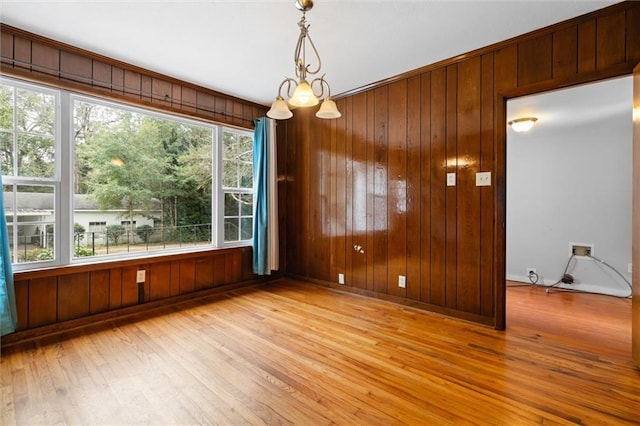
[466, 316]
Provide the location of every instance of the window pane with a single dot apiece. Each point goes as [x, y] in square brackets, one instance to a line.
[36, 155]
[229, 174]
[35, 214]
[246, 226]
[229, 146]
[9, 206]
[245, 170]
[6, 107]
[231, 204]
[149, 178]
[35, 112]
[246, 149]
[246, 206]
[6, 153]
[231, 229]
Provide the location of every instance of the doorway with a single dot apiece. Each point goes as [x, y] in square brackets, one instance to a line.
[569, 187]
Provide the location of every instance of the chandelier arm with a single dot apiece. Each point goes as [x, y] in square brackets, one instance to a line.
[315, 51]
[299, 54]
[289, 81]
[322, 82]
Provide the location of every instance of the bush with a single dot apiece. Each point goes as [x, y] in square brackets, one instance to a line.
[82, 251]
[144, 232]
[114, 232]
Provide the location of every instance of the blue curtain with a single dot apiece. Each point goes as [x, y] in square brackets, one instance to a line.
[8, 315]
[265, 218]
[261, 209]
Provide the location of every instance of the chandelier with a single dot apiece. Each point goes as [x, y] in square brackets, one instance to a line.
[300, 92]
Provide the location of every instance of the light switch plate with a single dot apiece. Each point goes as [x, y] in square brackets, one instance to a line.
[140, 276]
[451, 179]
[483, 179]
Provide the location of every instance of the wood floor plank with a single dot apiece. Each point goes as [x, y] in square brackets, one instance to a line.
[290, 352]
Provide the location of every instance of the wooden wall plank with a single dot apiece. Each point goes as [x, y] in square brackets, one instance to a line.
[610, 33]
[338, 163]
[565, 52]
[75, 66]
[22, 51]
[633, 41]
[587, 46]
[130, 286]
[45, 58]
[73, 296]
[101, 74]
[6, 45]
[219, 273]
[204, 272]
[345, 127]
[438, 145]
[535, 62]
[98, 291]
[413, 187]
[397, 187]
[380, 189]
[371, 190]
[159, 280]
[359, 190]
[425, 184]
[22, 303]
[468, 200]
[187, 275]
[487, 194]
[43, 298]
[451, 203]
[115, 288]
[174, 287]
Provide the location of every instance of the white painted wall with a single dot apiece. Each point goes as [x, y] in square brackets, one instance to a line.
[569, 180]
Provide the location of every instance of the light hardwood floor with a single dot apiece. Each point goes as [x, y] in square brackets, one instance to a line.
[294, 353]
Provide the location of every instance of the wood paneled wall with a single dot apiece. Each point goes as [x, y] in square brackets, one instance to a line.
[29, 56]
[367, 193]
[52, 296]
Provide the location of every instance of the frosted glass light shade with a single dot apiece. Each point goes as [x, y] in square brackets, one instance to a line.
[523, 124]
[279, 110]
[303, 96]
[328, 110]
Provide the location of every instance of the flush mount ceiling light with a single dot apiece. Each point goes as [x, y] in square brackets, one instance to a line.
[522, 124]
[300, 92]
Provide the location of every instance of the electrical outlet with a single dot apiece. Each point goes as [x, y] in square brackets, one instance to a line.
[483, 179]
[140, 276]
[451, 179]
[583, 250]
[630, 268]
[531, 271]
[340, 278]
[402, 281]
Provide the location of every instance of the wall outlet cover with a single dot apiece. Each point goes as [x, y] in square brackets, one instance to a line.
[340, 278]
[140, 276]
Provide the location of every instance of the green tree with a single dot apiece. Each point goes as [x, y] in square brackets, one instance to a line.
[78, 233]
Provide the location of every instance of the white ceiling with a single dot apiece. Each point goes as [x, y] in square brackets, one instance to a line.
[245, 48]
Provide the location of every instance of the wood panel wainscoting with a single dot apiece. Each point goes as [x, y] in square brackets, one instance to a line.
[366, 194]
[290, 352]
[55, 299]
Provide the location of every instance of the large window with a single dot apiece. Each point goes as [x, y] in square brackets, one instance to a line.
[123, 182]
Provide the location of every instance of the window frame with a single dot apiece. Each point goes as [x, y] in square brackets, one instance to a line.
[224, 190]
[64, 145]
